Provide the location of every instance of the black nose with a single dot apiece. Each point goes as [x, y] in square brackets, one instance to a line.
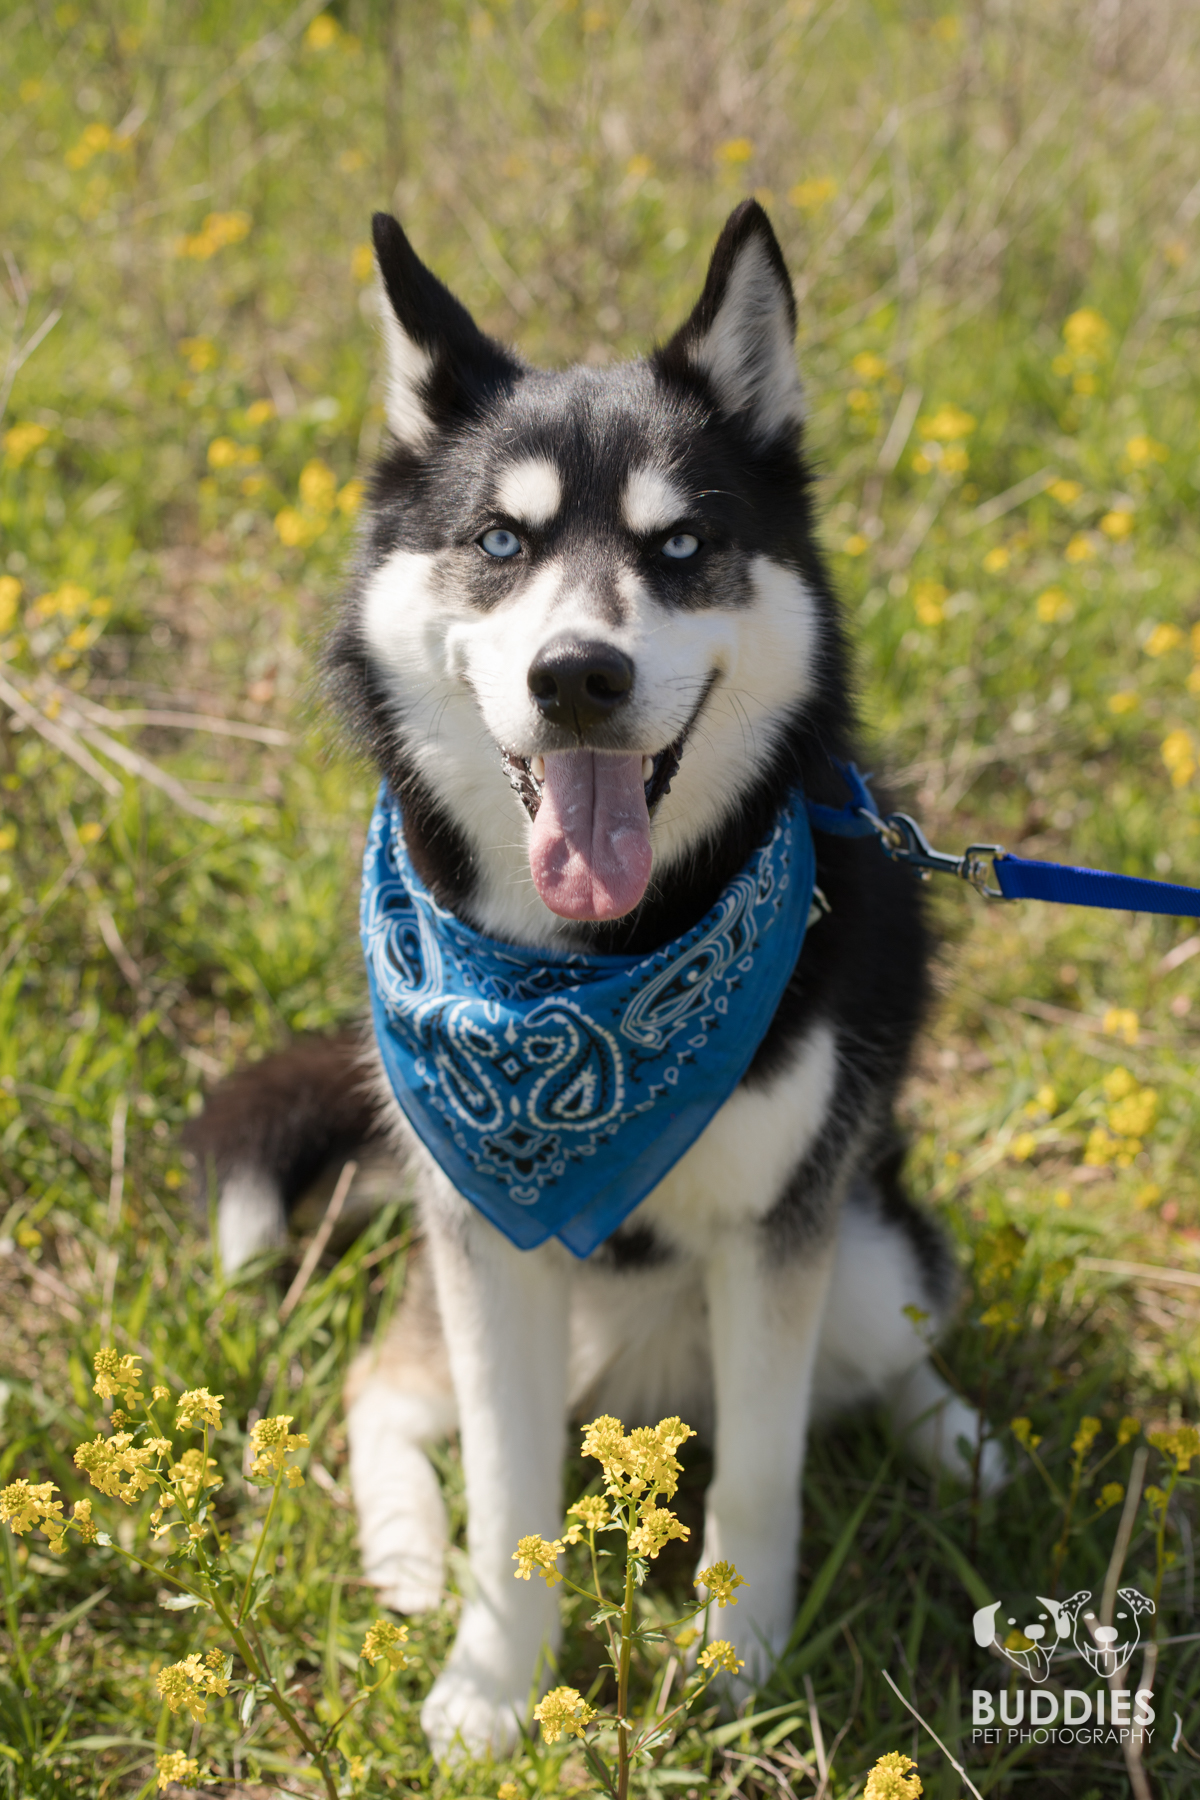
[578, 684]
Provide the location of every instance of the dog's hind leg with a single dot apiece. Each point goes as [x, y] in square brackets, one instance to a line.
[891, 1256]
[399, 1398]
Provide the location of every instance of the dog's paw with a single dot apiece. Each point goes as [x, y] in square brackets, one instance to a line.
[401, 1514]
[466, 1716]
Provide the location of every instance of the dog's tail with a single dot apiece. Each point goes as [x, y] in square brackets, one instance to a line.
[269, 1132]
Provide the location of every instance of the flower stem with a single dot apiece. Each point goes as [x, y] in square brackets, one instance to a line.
[623, 1682]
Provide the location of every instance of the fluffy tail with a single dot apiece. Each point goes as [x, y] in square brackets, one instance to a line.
[269, 1130]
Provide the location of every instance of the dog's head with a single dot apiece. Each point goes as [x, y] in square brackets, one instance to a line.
[580, 590]
[1109, 1647]
[1030, 1646]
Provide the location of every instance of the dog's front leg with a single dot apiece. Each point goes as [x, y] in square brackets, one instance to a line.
[504, 1312]
[765, 1320]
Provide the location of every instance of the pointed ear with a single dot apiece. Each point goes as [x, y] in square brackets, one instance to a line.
[440, 365]
[739, 337]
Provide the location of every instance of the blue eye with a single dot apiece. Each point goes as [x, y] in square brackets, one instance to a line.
[500, 543]
[681, 546]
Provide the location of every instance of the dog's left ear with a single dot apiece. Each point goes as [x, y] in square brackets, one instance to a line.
[738, 340]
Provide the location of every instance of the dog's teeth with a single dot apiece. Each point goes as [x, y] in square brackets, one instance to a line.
[537, 767]
[647, 767]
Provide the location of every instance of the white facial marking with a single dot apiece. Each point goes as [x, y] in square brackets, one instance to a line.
[408, 368]
[530, 491]
[651, 501]
[747, 351]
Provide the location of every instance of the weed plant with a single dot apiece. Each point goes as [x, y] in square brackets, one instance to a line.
[992, 217]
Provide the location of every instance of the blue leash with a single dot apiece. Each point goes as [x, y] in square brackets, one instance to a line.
[1015, 877]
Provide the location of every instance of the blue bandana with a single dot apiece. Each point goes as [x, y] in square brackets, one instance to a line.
[556, 1091]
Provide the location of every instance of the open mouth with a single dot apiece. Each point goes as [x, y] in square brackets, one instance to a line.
[589, 851]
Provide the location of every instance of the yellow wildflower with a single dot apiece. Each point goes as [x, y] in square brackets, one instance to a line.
[1118, 1083]
[1085, 1437]
[24, 1506]
[1127, 1430]
[1134, 1116]
[1023, 1146]
[720, 1578]
[734, 151]
[384, 1643]
[201, 353]
[1053, 604]
[508, 1790]
[890, 1779]
[1142, 450]
[869, 367]
[655, 1527]
[929, 602]
[318, 486]
[1022, 1430]
[564, 1709]
[1117, 524]
[223, 453]
[955, 460]
[1080, 548]
[188, 1683]
[175, 1766]
[157, 1392]
[534, 1552]
[855, 545]
[1111, 1494]
[22, 439]
[1123, 702]
[687, 1637]
[322, 33]
[117, 1374]
[644, 1463]
[218, 230]
[811, 195]
[350, 497]
[1162, 638]
[1183, 1443]
[1087, 332]
[192, 1473]
[198, 1403]
[81, 1515]
[1121, 1021]
[947, 424]
[270, 1440]
[10, 593]
[591, 1514]
[1065, 492]
[996, 560]
[720, 1656]
[1179, 755]
[105, 1460]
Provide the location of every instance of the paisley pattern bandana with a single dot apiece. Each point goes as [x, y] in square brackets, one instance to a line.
[556, 1091]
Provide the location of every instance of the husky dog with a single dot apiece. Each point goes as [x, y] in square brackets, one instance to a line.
[592, 648]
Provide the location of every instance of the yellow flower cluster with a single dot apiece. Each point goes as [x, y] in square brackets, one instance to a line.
[1026, 1436]
[117, 1375]
[270, 1440]
[1183, 1443]
[105, 1460]
[811, 195]
[218, 231]
[92, 140]
[890, 1779]
[320, 496]
[720, 1656]
[564, 1709]
[1085, 1436]
[385, 1642]
[21, 440]
[656, 1526]
[197, 1404]
[536, 1552]
[1110, 1495]
[190, 1476]
[188, 1683]
[1179, 756]
[929, 602]
[642, 1464]
[175, 1766]
[591, 1514]
[720, 1578]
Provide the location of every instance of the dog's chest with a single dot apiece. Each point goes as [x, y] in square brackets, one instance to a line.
[740, 1164]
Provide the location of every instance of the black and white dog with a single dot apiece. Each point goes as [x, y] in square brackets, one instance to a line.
[592, 648]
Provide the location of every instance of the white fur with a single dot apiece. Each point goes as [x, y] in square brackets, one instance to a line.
[650, 500]
[530, 491]
[250, 1218]
[747, 351]
[408, 369]
[401, 1515]
[459, 677]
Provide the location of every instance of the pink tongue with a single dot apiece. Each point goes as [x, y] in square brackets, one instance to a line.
[590, 850]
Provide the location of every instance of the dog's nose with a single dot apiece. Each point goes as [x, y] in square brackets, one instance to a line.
[577, 683]
[1105, 1635]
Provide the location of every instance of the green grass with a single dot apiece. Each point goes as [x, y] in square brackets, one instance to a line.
[950, 189]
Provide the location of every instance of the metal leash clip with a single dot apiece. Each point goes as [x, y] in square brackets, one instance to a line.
[904, 841]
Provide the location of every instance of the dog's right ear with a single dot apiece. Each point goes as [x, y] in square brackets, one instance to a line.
[441, 367]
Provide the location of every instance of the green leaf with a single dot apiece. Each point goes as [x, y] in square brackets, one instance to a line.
[827, 1573]
[182, 1602]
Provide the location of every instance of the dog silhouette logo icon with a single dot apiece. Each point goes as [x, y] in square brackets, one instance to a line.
[1030, 1644]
